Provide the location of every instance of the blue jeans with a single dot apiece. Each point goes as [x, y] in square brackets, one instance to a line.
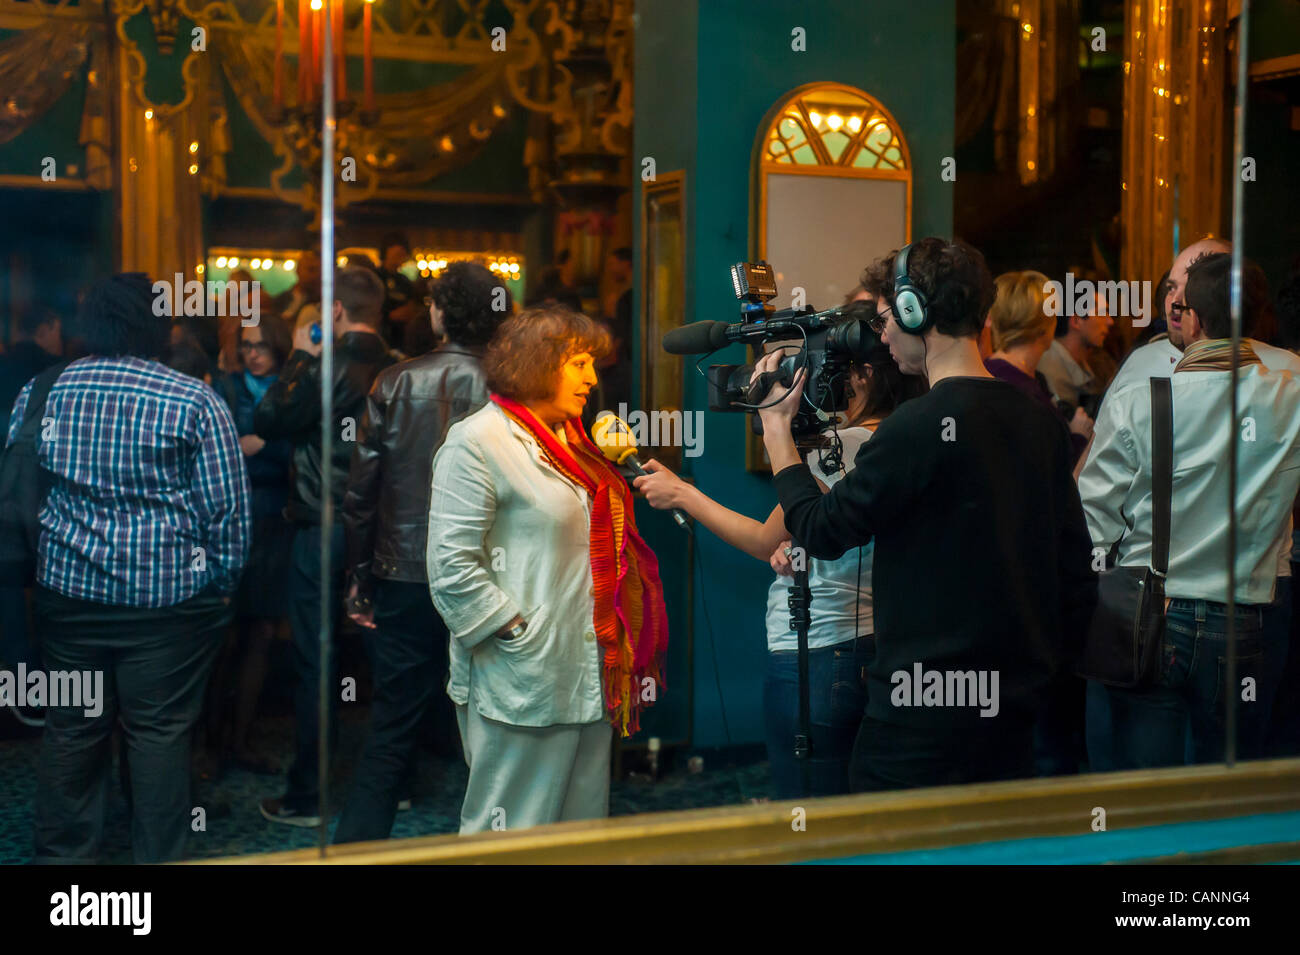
[1284, 728]
[155, 664]
[1150, 725]
[837, 699]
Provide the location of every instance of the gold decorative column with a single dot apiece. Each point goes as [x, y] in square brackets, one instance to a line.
[1175, 77]
[162, 151]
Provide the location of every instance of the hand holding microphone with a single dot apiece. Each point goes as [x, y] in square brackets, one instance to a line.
[661, 487]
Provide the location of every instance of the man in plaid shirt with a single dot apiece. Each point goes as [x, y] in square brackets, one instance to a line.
[144, 534]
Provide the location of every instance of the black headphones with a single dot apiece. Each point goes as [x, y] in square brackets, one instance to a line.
[909, 301]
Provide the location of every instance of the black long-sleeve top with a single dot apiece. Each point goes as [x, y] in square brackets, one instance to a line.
[982, 557]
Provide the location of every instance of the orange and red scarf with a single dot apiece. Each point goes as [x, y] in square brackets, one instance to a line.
[630, 618]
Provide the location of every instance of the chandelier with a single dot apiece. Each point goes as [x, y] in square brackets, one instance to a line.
[301, 122]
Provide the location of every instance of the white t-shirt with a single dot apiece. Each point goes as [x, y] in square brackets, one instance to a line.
[841, 588]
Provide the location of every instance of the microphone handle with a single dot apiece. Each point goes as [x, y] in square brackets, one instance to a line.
[633, 463]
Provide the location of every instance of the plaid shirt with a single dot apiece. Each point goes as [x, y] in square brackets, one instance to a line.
[149, 501]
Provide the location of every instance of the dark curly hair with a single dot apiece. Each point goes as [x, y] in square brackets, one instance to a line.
[524, 360]
[117, 317]
[465, 294]
[956, 281]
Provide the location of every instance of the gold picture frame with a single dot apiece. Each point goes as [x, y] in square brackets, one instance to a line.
[663, 308]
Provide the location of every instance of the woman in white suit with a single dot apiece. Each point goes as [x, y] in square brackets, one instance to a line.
[553, 600]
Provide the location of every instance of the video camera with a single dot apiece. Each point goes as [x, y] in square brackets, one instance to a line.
[830, 341]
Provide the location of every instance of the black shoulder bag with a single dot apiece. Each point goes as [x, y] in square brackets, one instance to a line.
[1128, 626]
[23, 486]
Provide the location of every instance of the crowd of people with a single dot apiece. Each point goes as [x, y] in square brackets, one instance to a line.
[953, 518]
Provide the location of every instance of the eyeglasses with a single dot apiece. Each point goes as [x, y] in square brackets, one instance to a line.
[247, 348]
[878, 322]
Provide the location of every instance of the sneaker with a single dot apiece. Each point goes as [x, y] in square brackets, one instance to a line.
[274, 810]
[403, 805]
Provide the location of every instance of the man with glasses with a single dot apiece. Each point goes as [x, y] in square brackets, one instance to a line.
[1157, 359]
[1149, 725]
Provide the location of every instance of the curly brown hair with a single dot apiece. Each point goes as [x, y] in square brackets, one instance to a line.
[524, 359]
[957, 284]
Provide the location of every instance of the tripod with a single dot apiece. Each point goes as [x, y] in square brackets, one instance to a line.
[800, 620]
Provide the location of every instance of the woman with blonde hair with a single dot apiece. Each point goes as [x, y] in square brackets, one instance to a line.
[1023, 330]
[553, 601]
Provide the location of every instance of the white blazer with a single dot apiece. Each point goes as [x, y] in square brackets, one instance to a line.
[509, 535]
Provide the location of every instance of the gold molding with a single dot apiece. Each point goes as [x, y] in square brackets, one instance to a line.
[843, 826]
[63, 183]
[1275, 68]
[656, 364]
[293, 196]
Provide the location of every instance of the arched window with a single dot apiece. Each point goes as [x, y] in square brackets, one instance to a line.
[832, 188]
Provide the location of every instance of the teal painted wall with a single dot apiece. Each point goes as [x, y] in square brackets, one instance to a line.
[665, 129]
[707, 73]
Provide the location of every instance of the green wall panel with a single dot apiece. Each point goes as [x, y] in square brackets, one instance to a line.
[707, 73]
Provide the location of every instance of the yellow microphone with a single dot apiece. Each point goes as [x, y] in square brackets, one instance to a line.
[616, 442]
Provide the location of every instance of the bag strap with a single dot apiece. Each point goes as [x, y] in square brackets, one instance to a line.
[1162, 471]
[36, 398]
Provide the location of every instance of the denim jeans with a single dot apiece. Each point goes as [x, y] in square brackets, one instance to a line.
[408, 652]
[837, 699]
[155, 664]
[1150, 725]
[1284, 723]
[304, 621]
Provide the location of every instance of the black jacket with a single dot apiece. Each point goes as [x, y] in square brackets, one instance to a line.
[408, 413]
[291, 410]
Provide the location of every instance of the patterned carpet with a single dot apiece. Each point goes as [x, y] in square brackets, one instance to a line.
[234, 826]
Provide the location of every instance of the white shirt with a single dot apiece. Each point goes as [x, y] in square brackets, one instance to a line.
[509, 535]
[841, 588]
[1066, 378]
[1157, 359]
[1115, 484]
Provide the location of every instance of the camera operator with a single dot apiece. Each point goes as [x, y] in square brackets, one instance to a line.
[839, 638]
[981, 573]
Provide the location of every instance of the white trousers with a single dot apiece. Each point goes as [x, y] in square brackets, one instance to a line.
[521, 776]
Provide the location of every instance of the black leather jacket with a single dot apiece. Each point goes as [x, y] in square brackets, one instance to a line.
[291, 410]
[407, 416]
